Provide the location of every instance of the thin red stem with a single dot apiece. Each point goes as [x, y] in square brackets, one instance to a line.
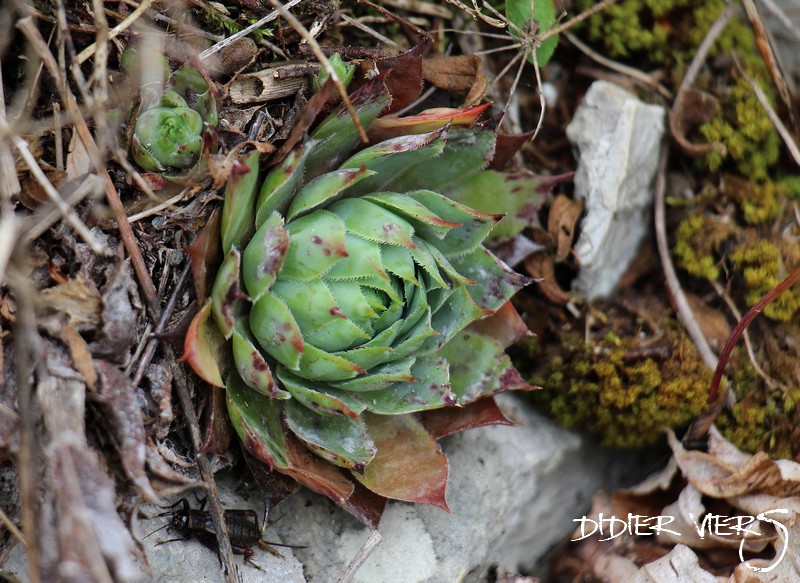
[751, 315]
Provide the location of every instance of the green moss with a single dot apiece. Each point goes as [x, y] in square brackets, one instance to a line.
[697, 241]
[761, 267]
[626, 399]
[743, 127]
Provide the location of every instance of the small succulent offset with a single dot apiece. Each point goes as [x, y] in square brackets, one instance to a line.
[168, 134]
[358, 300]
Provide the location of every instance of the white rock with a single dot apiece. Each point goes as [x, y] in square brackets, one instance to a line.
[514, 492]
[617, 139]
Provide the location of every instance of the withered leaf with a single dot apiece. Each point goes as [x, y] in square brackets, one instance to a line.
[459, 73]
[78, 299]
[118, 331]
[561, 222]
[123, 417]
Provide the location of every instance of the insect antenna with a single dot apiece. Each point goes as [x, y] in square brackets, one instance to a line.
[158, 529]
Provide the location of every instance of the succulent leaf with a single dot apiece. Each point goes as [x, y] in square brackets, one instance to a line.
[359, 300]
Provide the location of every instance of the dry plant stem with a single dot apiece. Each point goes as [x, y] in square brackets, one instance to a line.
[363, 554]
[751, 315]
[41, 221]
[784, 132]
[682, 307]
[768, 380]
[370, 31]
[635, 74]
[206, 474]
[787, 22]
[395, 18]
[63, 208]
[12, 528]
[323, 60]
[10, 181]
[162, 324]
[26, 347]
[245, 31]
[117, 30]
[157, 208]
[772, 61]
[688, 79]
[126, 232]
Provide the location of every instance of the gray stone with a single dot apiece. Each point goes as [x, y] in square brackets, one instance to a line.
[513, 492]
[617, 140]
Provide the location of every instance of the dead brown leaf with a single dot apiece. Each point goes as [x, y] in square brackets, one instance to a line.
[561, 223]
[459, 73]
[81, 356]
[123, 417]
[78, 299]
[541, 267]
[120, 300]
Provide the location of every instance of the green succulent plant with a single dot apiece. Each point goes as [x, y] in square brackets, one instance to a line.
[168, 134]
[362, 314]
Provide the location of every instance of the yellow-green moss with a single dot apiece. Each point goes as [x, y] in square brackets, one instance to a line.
[626, 399]
[697, 240]
[761, 268]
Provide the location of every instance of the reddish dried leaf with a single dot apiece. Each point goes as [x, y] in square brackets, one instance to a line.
[203, 347]
[446, 421]
[409, 465]
[205, 253]
[506, 148]
[429, 120]
[505, 325]
[402, 75]
[541, 267]
[365, 505]
[316, 474]
[123, 416]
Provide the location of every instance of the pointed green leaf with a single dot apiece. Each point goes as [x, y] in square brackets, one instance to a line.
[479, 368]
[226, 293]
[495, 282]
[237, 211]
[257, 422]
[429, 390]
[276, 331]
[398, 261]
[392, 158]
[320, 397]
[380, 377]
[325, 189]
[518, 195]
[253, 368]
[374, 223]
[343, 441]
[281, 184]
[417, 213]
[264, 256]
[457, 312]
[317, 364]
[363, 260]
[316, 243]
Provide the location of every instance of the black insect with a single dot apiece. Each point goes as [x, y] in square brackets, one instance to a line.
[242, 525]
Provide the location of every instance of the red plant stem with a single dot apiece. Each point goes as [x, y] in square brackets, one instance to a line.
[751, 315]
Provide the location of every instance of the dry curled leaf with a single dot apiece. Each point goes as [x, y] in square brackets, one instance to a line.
[78, 299]
[561, 223]
[459, 73]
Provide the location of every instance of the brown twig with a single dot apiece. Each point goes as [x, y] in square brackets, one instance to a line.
[323, 60]
[30, 31]
[392, 16]
[699, 58]
[682, 307]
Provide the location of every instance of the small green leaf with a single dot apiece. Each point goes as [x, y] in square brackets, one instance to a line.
[544, 14]
[237, 212]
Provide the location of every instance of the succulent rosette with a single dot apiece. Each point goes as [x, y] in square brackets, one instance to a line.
[168, 134]
[362, 312]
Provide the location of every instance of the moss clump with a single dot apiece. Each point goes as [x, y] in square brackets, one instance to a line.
[613, 390]
[763, 418]
[747, 133]
[762, 270]
[698, 239]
